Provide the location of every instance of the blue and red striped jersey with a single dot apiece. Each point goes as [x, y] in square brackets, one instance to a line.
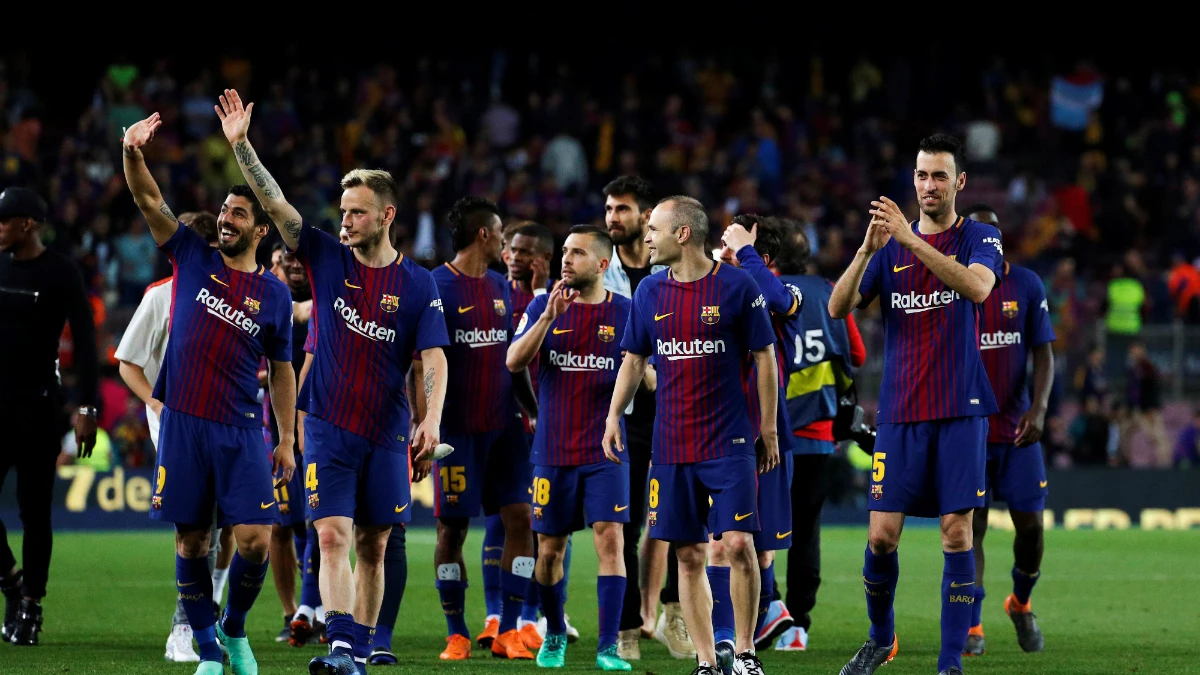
[368, 321]
[581, 356]
[223, 323]
[1016, 317]
[931, 364]
[310, 340]
[479, 396]
[699, 334]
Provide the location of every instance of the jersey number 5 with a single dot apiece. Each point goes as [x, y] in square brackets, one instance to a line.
[877, 468]
[812, 341]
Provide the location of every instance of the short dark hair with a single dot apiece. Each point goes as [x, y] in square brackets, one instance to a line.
[260, 214]
[640, 188]
[202, 223]
[981, 208]
[467, 217]
[769, 240]
[599, 234]
[793, 258]
[688, 211]
[945, 143]
[545, 238]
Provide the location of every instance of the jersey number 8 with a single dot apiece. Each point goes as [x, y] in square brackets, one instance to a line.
[653, 493]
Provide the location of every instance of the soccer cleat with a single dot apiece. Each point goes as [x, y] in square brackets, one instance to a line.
[1029, 634]
[673, 632]
[629, 646]
[210, 668]
[794, 639]
[28, 624]
[609, 660]
[382, 657]
[529, 636]
[869, 657]
[12, 602]
[319, 637]
[301, 632]
[572, 631]
[953, 670]
[747, 663]
[509, 645]
[241, 657]
[725, 656]
[458, 648]
[179, 645]
[776, 623]
[332, 664]
[285, 635]
[491, 628]
[975, 645]
[706, 670]
[553, 652]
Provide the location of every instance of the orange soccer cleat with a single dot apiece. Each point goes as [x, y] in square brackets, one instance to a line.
[458, 648]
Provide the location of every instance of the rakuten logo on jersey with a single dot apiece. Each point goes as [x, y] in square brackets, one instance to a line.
[999, 339]
[574, 363]
[675, 350]
[367, 329]
[476, 338]
[912, 302]
[227, 313]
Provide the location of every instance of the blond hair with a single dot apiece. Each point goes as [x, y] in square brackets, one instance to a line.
[376, 180]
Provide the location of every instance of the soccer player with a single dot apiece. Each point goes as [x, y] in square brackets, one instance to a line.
[821, 365]
[373, 308]
[752, 244]
[576, 330]
[489, 467]
[628, 201]
[140, 353]
[930, 276]
[1016, 321]
[227, 313]
[701, 319]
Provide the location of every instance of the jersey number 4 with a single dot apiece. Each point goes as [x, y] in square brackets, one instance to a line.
[812, 348]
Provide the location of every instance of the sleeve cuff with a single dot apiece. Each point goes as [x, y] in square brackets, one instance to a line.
[539, 291]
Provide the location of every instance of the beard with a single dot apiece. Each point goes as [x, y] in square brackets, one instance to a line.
[371, 242]
[580, 282]
[626, 238]
[236, 247]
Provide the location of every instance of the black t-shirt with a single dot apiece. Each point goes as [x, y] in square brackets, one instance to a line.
[640, 422]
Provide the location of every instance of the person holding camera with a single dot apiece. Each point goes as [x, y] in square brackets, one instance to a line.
[40, 290]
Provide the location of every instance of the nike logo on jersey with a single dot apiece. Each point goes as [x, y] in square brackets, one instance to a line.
[190, 583]
[493, 548]
[350, 285]
[266, 505]
[658, 317]
[400, 509]
[980, 493]
[560, 332]
[955, 584]
[782, 535]
[1042, 484]
[739, 517]
[464, 310]
[897, 268]
[619, 509]
[214, 278]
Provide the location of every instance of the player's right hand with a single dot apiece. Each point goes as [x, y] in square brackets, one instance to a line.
[141, 132]
[877, 236]
[561, 298]
[612, 440]
[768, 452]
[420, 470]
[156, 406]
[285, 460]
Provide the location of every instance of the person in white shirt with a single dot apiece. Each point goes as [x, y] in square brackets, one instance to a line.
[140, 353]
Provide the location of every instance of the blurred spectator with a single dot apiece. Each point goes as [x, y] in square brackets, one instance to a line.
[1184, 282]
[136, 256]
[1187, 446]
[1144, 396]
[1123, 320]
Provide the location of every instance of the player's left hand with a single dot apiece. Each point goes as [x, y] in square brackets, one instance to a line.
[1029, 429]
[891, 218]
[235, 119]
[85, 435]
[284, 464]
[736, 237]
[768, 452]
[541, 272]
[425, 440]
[420, 470]
[611, 443]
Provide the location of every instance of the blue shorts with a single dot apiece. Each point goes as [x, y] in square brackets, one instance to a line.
[678, 499]
[568, 498]
[929, 469]
[347, 475]
[290, 496]
[775, 507]
[202, 463]
[1017, 476]
[488, 471]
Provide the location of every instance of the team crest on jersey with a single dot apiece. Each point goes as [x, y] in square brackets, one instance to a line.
[1009, 307]
[314, 501]
[653, 518]
[252, 305]
[537, 512]
[499, 305]
[156, 502]
[710, 314]
[284, 508]
[607, 333]
[390, 303]
[876, 492]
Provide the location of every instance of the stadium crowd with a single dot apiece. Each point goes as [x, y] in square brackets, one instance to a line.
[1095, 176]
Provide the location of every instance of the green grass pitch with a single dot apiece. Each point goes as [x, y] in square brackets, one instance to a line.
[1109, 602]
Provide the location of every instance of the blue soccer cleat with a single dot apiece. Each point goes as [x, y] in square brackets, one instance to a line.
[332, 664]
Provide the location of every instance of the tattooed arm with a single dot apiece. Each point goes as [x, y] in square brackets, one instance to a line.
[146, 194]
[434, 381]
[235, 121]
